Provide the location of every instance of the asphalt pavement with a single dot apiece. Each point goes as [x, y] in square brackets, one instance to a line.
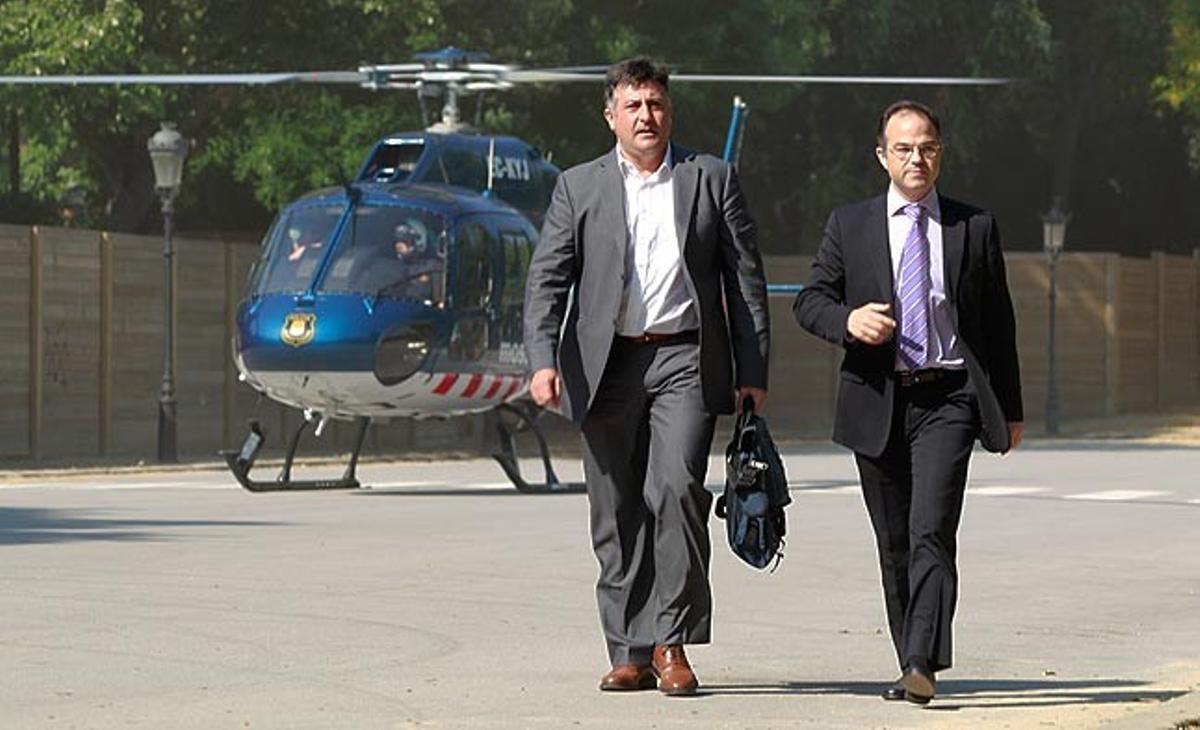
[441, 598]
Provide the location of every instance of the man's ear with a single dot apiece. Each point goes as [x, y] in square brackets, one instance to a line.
[608, 117]
[881, 155]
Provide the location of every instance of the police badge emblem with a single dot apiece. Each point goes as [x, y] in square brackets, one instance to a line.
[298, 328]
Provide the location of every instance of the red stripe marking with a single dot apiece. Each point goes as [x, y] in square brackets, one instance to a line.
[447, 382]
[472, 385]
[497, 381]
[516, 385]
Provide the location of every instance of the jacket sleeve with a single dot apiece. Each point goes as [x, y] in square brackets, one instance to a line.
[999, 324]
[745, 286]
[552, 273]
[820, 307]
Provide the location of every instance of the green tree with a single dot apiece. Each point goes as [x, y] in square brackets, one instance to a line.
[1179, 85]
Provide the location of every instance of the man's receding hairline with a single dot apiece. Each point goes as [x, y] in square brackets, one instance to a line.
[915, 112]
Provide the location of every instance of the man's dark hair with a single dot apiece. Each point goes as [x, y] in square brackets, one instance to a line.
[633, 72]
[906, 105]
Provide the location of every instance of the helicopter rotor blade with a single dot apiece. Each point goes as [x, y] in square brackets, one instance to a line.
[242, 79]
[558, 76]
[882, 80]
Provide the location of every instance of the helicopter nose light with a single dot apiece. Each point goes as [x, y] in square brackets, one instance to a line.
[402, 352]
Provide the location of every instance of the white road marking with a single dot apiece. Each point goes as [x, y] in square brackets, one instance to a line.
[112, 485]
[1003, 491]
[1116, 495]
[849, 489]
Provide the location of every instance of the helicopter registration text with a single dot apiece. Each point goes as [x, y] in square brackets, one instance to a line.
[510, 168]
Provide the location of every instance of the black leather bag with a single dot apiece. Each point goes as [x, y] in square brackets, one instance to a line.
[756, 491]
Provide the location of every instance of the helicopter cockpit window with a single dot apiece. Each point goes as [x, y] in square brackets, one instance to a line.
[390, 251]
[473, 278]
[295, 247]
[463, 167]
[393, 162]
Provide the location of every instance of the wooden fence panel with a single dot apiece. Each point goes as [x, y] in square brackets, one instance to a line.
[200, 350]
[1029, 284]
[14, 341]
[1137, 333]
[1081, 337]
[1178, 345]
[71, 349]
[137, 344]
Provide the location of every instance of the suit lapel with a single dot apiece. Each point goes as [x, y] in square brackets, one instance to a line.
[612, 203]
[954, 236]
[878, 248]
[684, 179]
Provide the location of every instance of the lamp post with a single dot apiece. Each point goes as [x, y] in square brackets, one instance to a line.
[1054, 230]
[168, 149]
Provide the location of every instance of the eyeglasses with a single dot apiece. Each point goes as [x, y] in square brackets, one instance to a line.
[928, 150]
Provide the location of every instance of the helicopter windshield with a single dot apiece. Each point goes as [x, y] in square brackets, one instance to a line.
[390, 251]
[294, 248]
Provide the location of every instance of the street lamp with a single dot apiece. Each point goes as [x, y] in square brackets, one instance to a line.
[168, 150]
[1054, 230]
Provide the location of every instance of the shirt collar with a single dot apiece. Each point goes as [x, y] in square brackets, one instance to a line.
[896, 202]
[628, 169]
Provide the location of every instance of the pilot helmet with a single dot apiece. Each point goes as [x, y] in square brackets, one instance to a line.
[409, 234]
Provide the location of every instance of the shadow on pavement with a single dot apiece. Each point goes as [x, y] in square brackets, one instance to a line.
[1101, 444]
[976, 693]
[35, 525]
[451, 492]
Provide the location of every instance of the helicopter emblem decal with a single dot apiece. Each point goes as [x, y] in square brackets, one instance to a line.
[298, 328]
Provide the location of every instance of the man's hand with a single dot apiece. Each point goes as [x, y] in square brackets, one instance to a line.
[1016, 432]
[870, 323]
[544, 387]
[759, 395]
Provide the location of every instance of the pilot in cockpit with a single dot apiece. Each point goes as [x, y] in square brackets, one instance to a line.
[299, 246]
[408, 241]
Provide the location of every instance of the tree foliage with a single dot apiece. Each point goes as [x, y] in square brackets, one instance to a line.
[1094, 79]
[1179, 85]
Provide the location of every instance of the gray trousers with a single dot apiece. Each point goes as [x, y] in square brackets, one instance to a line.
[646, 441]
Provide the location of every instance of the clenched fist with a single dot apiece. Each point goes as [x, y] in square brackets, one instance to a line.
[871, 324]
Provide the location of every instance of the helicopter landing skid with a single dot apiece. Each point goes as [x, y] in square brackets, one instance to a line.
[242, 461]
[526, 419]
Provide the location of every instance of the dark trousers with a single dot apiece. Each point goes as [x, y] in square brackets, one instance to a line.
[914, 495]
[646, 441]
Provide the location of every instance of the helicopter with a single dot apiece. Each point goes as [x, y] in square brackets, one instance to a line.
[400, 292]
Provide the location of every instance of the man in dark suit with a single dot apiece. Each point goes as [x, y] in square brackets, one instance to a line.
[645, 306]
[912, 285]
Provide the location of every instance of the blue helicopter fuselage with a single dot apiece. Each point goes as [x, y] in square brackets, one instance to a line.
[400, 294]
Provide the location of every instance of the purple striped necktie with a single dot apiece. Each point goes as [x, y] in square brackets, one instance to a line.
[913, 292]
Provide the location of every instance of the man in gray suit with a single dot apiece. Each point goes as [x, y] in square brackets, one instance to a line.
[645, 308]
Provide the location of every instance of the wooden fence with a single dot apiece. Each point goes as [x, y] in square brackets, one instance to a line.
[82, 331]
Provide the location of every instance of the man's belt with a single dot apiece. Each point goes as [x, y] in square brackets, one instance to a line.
[909, 378]
[658, 338]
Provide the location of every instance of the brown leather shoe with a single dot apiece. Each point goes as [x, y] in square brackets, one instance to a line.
[628, 678]
[675, 675]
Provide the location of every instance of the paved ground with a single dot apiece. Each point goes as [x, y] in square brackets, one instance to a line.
[442, 599]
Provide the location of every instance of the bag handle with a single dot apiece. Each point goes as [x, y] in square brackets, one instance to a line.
[746, 414]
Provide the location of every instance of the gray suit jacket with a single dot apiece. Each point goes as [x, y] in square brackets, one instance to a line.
[577, 275]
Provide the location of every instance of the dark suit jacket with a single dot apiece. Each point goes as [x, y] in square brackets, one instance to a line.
[853, 267]
[577, 276]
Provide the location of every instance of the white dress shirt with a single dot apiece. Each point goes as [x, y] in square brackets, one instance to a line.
[943, 340]
[656, 296]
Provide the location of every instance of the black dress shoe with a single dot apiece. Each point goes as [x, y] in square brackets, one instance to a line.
[919, 685]
[894, 692]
